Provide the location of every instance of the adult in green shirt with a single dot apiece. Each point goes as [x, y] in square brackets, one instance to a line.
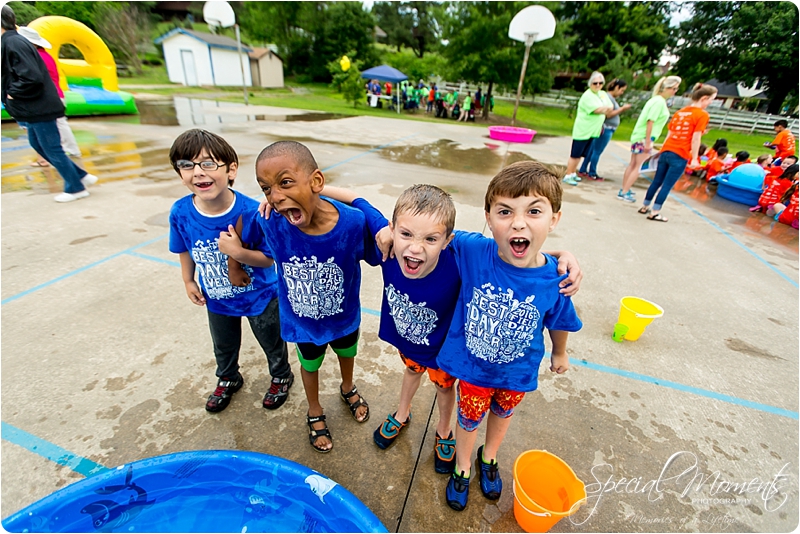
[589, 118]
[465, 107]
[651, 122]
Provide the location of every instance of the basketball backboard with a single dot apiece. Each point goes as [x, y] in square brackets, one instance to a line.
[219, 13]
[534, 23]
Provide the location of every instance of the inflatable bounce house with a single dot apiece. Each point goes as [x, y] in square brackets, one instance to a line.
[89, 84]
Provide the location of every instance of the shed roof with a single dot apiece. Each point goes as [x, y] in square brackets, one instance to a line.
[258, 53]
[216, 41]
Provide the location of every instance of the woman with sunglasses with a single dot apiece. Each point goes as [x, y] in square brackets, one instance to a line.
[615, 89]
[651, 122]
[589, 118]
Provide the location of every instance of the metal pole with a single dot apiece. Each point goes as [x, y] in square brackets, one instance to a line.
[241, 62]
[528, 44]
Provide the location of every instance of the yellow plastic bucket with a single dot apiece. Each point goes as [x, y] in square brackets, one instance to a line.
[545, 490]
[636, 314]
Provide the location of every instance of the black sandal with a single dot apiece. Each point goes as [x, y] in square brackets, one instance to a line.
[644, 210]
[355, 405]
[314, 434]
[657, 217]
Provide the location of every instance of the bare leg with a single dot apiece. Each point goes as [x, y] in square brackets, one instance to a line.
[346, 366]
[408, 389]
[465, 442]
[311, 386]
[496, 428]
[572, 165]
[632, 171]
[446, 399]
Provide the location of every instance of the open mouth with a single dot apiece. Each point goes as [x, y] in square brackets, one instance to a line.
[203, 186]
[293, 215]
[519, 246]
[412, 265]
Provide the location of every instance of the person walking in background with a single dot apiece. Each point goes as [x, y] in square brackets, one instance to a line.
[465, 107]
[680, 147]
[68, 142]
[649, 125]
[589, 117]
[614, 90]
[29, 95]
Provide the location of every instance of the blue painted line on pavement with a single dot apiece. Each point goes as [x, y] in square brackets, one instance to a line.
[724, 232]
[688, 389]
[154, 258]
[79, 270]
[51, 452]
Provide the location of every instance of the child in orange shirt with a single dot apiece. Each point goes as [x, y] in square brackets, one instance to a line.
[716, 165]
[783, 144]
[776, 189]
[777, 169]
[742, 157]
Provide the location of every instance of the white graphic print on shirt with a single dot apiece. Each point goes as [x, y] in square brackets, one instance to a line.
[213, 268]
[413, 321]
[315, 289]
[498, 327]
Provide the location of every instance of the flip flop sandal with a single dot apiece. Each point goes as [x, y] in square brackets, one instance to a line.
[355, 405]
[42, 165]
[657, 217]
[314, 434]
[644, 210]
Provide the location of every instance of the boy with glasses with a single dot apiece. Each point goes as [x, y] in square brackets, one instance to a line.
[200, 232]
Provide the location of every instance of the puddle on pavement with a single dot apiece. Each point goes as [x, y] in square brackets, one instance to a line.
[753, 223]
[182, 111]
[446, 154]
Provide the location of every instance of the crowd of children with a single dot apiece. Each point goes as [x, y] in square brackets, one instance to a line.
[441, 102]
[467, 309]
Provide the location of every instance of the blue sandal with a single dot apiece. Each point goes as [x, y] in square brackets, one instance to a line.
[385, 434]
[445, 460]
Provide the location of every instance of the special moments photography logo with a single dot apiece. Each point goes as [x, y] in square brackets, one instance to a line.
[682, 474]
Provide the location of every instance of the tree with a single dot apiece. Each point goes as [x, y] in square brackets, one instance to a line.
[311, 34]
[409, 24]
[24, 12]
[598, 28]
[479, 50]
[126, 30]
[349, 83]
[80, 11]
[742, 42]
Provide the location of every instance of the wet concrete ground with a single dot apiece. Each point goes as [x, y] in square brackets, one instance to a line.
[104, 358]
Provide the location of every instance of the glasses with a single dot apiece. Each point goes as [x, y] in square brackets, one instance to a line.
[186, 165]
[597, 83]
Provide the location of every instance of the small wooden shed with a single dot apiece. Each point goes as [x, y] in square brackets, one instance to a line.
[266, 68]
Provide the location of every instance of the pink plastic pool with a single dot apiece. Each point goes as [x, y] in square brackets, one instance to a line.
[511, 134]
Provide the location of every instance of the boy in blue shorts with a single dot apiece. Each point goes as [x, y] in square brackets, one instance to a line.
[200, 224]
[317, 244]
[509, 294]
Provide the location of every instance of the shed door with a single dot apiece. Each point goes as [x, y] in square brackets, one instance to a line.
[189, 71]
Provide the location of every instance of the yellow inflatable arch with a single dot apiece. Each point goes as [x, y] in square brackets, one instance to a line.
[97, 60]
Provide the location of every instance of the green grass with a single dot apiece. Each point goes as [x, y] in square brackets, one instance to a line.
[150, 76]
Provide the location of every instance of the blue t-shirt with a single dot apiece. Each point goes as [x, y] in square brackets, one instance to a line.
[198, 233]
[319, 276]
[415, 313]
[496, 338]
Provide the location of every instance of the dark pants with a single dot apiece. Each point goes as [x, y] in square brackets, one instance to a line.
[226, 333]
[46, 141]
[670, 169]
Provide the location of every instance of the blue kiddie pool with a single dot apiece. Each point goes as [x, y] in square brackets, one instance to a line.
[200, 491]
[743, 184]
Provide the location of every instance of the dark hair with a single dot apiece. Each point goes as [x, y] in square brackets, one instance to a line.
[793, 157]
[721, 151]
[787, 196]
[616, 82]
[719, 143]
[525, 178]
[191, 143]
[8, 20]
[297, 151]
[742, 155]
[702, 149]
[789, 171]
[782, 122]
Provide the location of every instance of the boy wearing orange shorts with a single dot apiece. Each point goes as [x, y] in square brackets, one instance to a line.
[509, 295]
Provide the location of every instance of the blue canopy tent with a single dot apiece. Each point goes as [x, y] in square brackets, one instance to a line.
[385, 73]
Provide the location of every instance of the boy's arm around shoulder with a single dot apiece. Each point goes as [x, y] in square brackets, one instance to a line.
[568, 263]
[377, 236]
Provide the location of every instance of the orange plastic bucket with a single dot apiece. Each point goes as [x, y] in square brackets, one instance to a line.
[545, 490]
[636, 314]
